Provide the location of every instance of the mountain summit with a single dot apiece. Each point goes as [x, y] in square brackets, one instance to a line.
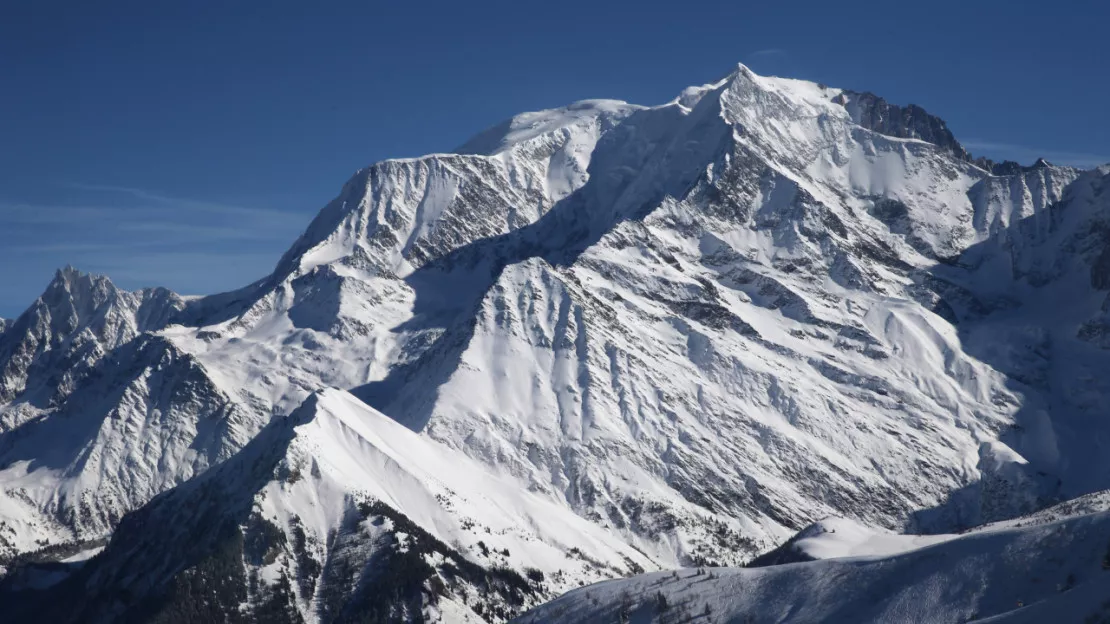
[594, 341]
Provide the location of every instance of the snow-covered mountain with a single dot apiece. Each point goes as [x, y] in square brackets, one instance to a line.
[687, 331]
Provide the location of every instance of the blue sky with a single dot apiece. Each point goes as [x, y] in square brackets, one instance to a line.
[187, 144]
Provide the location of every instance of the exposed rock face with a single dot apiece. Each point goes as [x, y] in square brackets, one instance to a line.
[145, 417]
[98, 414]
[1010, 168]
[906, 122]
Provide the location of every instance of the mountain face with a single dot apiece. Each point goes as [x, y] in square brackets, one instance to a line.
[100, 413]
[593, 341]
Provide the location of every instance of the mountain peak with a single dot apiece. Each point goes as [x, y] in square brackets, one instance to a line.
[1010, 167]
[83, 292]
[73, 323]
[66, 276]
[68, 272]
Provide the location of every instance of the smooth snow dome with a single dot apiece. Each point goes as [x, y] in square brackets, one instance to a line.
[840, 537]
[530, 126]
[595, 342]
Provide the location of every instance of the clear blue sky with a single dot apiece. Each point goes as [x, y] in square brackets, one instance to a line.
[187, 143]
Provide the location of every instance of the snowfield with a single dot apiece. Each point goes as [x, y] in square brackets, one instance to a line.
[593, 341]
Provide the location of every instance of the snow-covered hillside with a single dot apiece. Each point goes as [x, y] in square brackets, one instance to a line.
[338, 512]
[689, 330]
[842, 537]
[1059, 571]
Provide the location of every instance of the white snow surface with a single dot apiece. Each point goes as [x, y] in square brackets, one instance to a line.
[840, 537]
[833, 538]
[349, 451]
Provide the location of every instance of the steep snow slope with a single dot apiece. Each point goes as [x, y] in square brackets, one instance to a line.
[1050, 269]
[339, 512]
[1005, 575]
[177, 422]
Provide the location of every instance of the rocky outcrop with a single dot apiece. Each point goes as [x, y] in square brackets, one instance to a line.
[905, 122]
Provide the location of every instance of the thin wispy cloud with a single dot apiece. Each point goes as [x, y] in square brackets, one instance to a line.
[153, 212]
[206, 232]
[77, 248]
[140, 237]
[187, 272]
[212, 207]
[53, 214]
[771, 62]
[768, 52]
[1026, 154]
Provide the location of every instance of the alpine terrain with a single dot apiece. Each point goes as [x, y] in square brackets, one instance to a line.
[595, 342]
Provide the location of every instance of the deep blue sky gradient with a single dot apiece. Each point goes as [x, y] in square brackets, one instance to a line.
[187, 144]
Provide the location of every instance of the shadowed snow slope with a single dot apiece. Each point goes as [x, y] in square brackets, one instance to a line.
[689, 330]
